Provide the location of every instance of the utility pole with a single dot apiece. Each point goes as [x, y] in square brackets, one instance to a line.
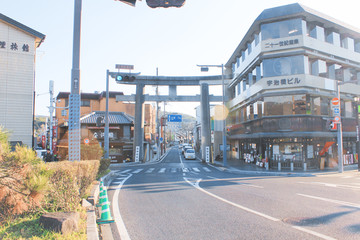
[74, 97]
[51, 110]
[157, 119]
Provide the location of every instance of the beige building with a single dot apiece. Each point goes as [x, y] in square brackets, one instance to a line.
[18, 45]
[120, 119]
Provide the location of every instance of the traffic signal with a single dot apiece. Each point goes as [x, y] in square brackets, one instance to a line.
[124, 77]
[228, 131]
[165, 3]
[331, 125]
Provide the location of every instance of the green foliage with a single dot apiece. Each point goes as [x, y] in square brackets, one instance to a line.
[29, 227]
[23, 179]
[70, 182]
[63, 195]
[104, 166]
[91, 152]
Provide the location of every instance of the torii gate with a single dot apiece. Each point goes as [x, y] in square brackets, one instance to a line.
[141, 81]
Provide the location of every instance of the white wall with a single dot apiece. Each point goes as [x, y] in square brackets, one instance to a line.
[17, 69]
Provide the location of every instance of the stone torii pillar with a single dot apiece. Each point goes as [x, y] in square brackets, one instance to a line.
[205, 123]
[138, 147]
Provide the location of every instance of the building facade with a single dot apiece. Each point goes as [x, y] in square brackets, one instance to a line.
[18, 44]
[121, 117]
[284, 76]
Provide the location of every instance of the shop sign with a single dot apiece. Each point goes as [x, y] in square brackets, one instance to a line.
[284, 81]
[282, 43]
[99, 134]
[13, 46]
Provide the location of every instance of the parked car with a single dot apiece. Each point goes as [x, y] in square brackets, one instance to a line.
[40, 153]
[189, 154]
[185, 148]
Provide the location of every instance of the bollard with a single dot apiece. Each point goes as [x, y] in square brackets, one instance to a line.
[292, 166]
[305, 166]
[279, 166]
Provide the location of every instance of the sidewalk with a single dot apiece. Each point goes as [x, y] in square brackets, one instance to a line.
[241, 167]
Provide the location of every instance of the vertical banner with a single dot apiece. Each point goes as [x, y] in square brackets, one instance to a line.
[207, 156]
[137, 153]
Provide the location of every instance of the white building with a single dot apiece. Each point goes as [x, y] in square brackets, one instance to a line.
[285, 71]
[18, 45]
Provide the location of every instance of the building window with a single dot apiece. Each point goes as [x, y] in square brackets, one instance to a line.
[283, 66]
[85, 103]
[288, 28]
[284, 105]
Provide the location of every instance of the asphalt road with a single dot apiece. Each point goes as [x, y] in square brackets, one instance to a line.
[187, 199]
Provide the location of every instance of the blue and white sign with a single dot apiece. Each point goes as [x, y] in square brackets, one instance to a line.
[336, 111]
[174, 118]
[161, 139]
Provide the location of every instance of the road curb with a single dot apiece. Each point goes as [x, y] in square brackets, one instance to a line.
[92, 231]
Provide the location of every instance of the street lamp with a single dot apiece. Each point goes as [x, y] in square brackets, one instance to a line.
[205, 68]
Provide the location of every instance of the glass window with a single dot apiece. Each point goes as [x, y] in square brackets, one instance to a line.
[281, 29]
[316, 108]
[299, 104]
[283, 66]
[273, 105]
[348, 109]
[283, 105]
[325, 103]
[85, 103]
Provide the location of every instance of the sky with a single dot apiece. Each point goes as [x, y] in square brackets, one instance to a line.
[174, 40]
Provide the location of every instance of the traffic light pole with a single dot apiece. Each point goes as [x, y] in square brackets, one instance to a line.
[106, 130]
[339, 133]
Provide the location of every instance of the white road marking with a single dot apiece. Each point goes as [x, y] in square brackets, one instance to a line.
[124, 235]
[173, 170]
[185, 170]
[138, 170]
[331, 200]
[332, 185]
[150, 170]
[206, 169]
[196, 185]
[125, 171]
[162, 170]
[196, 169]
[314, 233]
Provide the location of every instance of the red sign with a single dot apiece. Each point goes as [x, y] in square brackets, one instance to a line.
[335, 101]
[336, 119]
[43, 141]
[86, 141]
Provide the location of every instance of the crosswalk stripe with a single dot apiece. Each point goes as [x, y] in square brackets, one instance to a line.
[206, 169]
[162, 170]
[150, 170]
[137, 170]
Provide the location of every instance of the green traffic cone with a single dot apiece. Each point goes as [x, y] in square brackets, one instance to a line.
[105, 214]
[102, 196]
